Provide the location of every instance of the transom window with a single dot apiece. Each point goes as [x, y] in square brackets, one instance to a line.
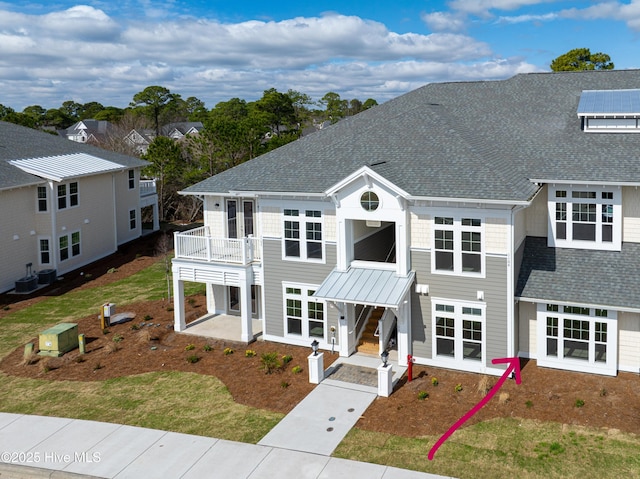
[369, 201]
[576, 337]
[588, 218]
[458, 331]
[305, 316]
[308, 247]
[458, 245]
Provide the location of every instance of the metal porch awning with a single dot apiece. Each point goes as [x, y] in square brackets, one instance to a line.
[373, 287]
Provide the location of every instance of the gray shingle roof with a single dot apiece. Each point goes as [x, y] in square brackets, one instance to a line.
[577, 276]
[18, 142]
[476, 140]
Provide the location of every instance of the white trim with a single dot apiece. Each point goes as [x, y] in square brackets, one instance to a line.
[598, 201]
[305, 299]
[457, 228]
[458, 362]
[367, 174]
[541, 181]
[609, 367]
[302, 219]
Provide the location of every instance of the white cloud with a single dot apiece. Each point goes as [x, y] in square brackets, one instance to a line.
[445, 21]
[483, 7]
[528, 18]
[628, 13]
[83, 54]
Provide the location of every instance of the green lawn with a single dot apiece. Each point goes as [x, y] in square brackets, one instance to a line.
[194, 404]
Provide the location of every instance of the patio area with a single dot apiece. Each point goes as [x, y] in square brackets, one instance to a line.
[222, 326]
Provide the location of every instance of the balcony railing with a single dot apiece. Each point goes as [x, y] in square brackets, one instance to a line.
[147, 187]
[197, 244]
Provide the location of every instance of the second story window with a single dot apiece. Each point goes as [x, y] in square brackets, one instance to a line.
[132, 179]
[68, 195]
[457, 245]
[588, 218]
[309, 245]
[42, 199]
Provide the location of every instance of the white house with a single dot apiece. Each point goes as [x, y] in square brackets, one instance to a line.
[472, 221]
[64, 205]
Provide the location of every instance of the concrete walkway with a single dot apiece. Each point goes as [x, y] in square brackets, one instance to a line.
[48, 447]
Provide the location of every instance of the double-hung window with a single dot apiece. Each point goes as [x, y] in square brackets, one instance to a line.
[305, 316]
[42, 199]
[458, 331]
[457, 247]
[132, 179]
[303, 234]
[69, 245]
[578, 338]
[132, 219]
[45, 251]
[585, 217]
[68, 195]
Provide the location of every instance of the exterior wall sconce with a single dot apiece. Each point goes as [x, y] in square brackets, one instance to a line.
[314, 346]
[480, 295]
[16, 237]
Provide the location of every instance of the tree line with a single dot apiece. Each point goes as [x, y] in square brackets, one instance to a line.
[233, 131]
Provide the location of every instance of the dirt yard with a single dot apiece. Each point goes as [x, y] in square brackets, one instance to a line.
[148, 343]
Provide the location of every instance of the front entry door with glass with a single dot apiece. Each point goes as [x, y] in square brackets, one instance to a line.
[240, 218]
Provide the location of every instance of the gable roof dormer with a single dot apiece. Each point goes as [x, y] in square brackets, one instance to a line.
[610, 110]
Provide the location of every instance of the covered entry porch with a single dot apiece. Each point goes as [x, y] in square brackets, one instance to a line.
[356, 291]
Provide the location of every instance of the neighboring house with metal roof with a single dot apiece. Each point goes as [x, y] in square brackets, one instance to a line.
[484, 219]
[64, 204]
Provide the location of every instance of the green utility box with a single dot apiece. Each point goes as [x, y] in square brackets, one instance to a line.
[59, 339]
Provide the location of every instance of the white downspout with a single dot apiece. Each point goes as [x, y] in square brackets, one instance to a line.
[53, 247]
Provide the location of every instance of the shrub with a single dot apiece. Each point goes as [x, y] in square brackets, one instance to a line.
[483, 385]
[118, 338]
[296, 370]
[112, 270]
[529, 404]
[286, 358]
[284, 384]
[270, 362]
[148, 317]
[579, 403]
[227, 351]
[190, 347]
[603, 392]
[434, 381]
[422, 395]
[458, 388]
[503, 398]
[207, 347]
[193, 358]
[134, 327]
[249, 353]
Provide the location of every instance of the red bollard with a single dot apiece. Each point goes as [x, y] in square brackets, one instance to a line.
[410, 367]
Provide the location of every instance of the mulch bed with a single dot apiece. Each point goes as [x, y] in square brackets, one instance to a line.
[145, 345]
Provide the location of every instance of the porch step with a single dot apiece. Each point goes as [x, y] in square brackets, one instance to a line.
[368, 342]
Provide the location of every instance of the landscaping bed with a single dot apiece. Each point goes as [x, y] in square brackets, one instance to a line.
[428, 405]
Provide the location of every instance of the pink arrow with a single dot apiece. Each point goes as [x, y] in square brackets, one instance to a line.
[514, 365]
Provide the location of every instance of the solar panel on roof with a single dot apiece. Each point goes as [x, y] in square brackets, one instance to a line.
[603, 102]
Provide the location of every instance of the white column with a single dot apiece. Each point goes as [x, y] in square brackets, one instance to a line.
[245, 307]
[179, 321]
[316, 368]
[385, 380]
[156, 217]
[404, 330]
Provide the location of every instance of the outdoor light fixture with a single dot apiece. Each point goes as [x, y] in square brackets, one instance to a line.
[314, 346]
[385, 357]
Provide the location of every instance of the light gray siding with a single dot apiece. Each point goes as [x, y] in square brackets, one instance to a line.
[452, 287]
[276, 271]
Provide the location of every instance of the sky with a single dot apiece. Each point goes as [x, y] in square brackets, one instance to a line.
[53, 51]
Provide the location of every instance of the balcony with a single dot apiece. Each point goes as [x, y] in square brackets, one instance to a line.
[147, 187]
[197, 244]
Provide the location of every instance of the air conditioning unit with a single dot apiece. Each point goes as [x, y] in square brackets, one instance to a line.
[47, 276]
